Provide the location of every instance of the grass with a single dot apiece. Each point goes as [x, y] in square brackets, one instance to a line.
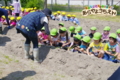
[97, 17]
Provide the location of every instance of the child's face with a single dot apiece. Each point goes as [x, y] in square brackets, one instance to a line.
[106, 32]
[96, 41]
[79, 31]
[60, 26]
[93, 31]
[55, 36]
[118, 34]
[43, 32]
[63, 34]
[111, 40]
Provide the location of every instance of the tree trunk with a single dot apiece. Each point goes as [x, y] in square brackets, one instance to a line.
[45, 4]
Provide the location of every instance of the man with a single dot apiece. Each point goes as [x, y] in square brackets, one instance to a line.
[5, 13]
[29, 25]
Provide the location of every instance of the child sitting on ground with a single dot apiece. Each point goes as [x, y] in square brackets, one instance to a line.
[3, 20]
[80, 31]
[74, 46]
[72, 30]
[18, 19]
[43, 37]
[59, 16]
[96, 46]
[69, 18]
[105, 35]
[61, 25]
[85, 44]
[64, 18]
[64, 40]
[110, 48]
[75, 20]
[54, 37]
[12, 22]
[93, 30]
[118, 36]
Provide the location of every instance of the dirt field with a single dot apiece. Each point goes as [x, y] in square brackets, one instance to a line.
[57, 64]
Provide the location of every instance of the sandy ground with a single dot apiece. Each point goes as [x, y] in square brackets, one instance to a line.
[57, 64]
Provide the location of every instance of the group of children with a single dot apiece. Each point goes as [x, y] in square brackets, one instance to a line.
[61, 16]
[104, 46]
[14, 19]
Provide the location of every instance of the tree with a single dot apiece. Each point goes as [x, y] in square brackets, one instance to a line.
[6, 1]
[45, 4]
[32, 3]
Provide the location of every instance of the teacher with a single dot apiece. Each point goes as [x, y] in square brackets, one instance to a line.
[29, 25]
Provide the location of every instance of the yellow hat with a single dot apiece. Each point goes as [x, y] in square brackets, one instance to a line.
[68, 15]
[58, 12]
[3, 6]
[12, 18]
[12, 8]
[22, 9]
[35, 7]
[55, 14]
[27, 10]
[73, 15]
[18, 18]
[9, 17]
[32, 11]
[63, 13]
[3, 17]
[7, 7]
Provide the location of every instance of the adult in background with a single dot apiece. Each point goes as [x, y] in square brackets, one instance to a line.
[28, 27]
[5, 13]
[17, 8]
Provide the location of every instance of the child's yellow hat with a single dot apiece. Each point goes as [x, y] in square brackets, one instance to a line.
[12, 18]
[3, 17]
[18, 18]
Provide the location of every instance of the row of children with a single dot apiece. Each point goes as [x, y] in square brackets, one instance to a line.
[23, 11]
[105, 46]
[12, 20]
[61, 16]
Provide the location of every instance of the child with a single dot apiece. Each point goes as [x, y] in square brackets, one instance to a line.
[110, 48]
[59, 16]
[12, 22]
[72, 30]
[3, 20]
[22, 12]
[93, 30]
[75, 45]
[85, 43]
[60, 25]
[64, 18]
[118, 36]
[117, 54]
[69, 18]
[80, 31]
[54, 16]
[43, 37]
[105, 35]
[18, 19]
[54, 37]
[75, 20]
[64, 40]
[96, 46]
